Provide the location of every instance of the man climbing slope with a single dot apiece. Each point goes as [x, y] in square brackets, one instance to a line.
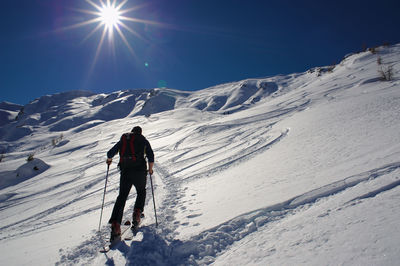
[133, 147]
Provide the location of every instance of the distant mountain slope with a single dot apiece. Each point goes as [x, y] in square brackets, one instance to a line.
[67, 110]
[8, 112]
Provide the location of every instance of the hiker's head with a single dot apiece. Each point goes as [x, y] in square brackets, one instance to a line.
[137, 130]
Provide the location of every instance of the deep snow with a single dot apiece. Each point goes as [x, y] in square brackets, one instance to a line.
[285, 170]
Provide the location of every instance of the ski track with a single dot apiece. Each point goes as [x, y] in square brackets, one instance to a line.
[84, 187]
[236, 137]
[157, 246]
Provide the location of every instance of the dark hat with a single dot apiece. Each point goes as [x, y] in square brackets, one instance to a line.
[137, 130]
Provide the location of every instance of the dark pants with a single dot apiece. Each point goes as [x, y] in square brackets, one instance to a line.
[129, 177]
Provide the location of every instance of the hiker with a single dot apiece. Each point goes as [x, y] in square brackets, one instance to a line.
[132, 148]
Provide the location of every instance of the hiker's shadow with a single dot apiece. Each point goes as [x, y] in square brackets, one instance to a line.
[122, 247]
[150, 247]
[146, 247]
[148, 240]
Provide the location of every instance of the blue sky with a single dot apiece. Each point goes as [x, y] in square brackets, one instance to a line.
[194, 44]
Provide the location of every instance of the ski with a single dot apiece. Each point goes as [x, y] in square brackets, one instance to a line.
[124, 228]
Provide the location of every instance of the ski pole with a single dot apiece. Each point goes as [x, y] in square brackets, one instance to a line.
[104, 195]
[154, 202]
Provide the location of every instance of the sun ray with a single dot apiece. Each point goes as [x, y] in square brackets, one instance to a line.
[98, 50]
[94, 5]
[110, 35]
[143, 21]
[125, 41]
[91, 33]
[114, 3]
[133, 8]
[132, 31]
[121, 4]
[78, 25]
[111, 42]
[90, 12]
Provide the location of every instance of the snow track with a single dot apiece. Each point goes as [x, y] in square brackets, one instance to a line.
[158, 247]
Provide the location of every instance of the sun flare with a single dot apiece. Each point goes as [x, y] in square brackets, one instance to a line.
[110, 17]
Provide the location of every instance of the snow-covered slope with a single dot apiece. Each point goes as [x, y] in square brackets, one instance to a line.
[8, 112]
[285, 170]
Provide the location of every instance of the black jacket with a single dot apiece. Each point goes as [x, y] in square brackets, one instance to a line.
[142, 148]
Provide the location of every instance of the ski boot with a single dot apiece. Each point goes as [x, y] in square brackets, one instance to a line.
[137, 215]
[115, 231]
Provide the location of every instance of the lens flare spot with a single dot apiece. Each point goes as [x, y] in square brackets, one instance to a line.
[162, 84]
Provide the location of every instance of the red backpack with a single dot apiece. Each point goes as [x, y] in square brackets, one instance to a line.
[132, 151]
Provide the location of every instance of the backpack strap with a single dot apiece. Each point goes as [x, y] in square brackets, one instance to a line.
[127, 137]
[132, 147]
[123, 148]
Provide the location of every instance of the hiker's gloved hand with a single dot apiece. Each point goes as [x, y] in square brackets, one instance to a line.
[151, 164]
[109, 160]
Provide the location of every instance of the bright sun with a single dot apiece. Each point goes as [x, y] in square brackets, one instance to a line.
[110, 16]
